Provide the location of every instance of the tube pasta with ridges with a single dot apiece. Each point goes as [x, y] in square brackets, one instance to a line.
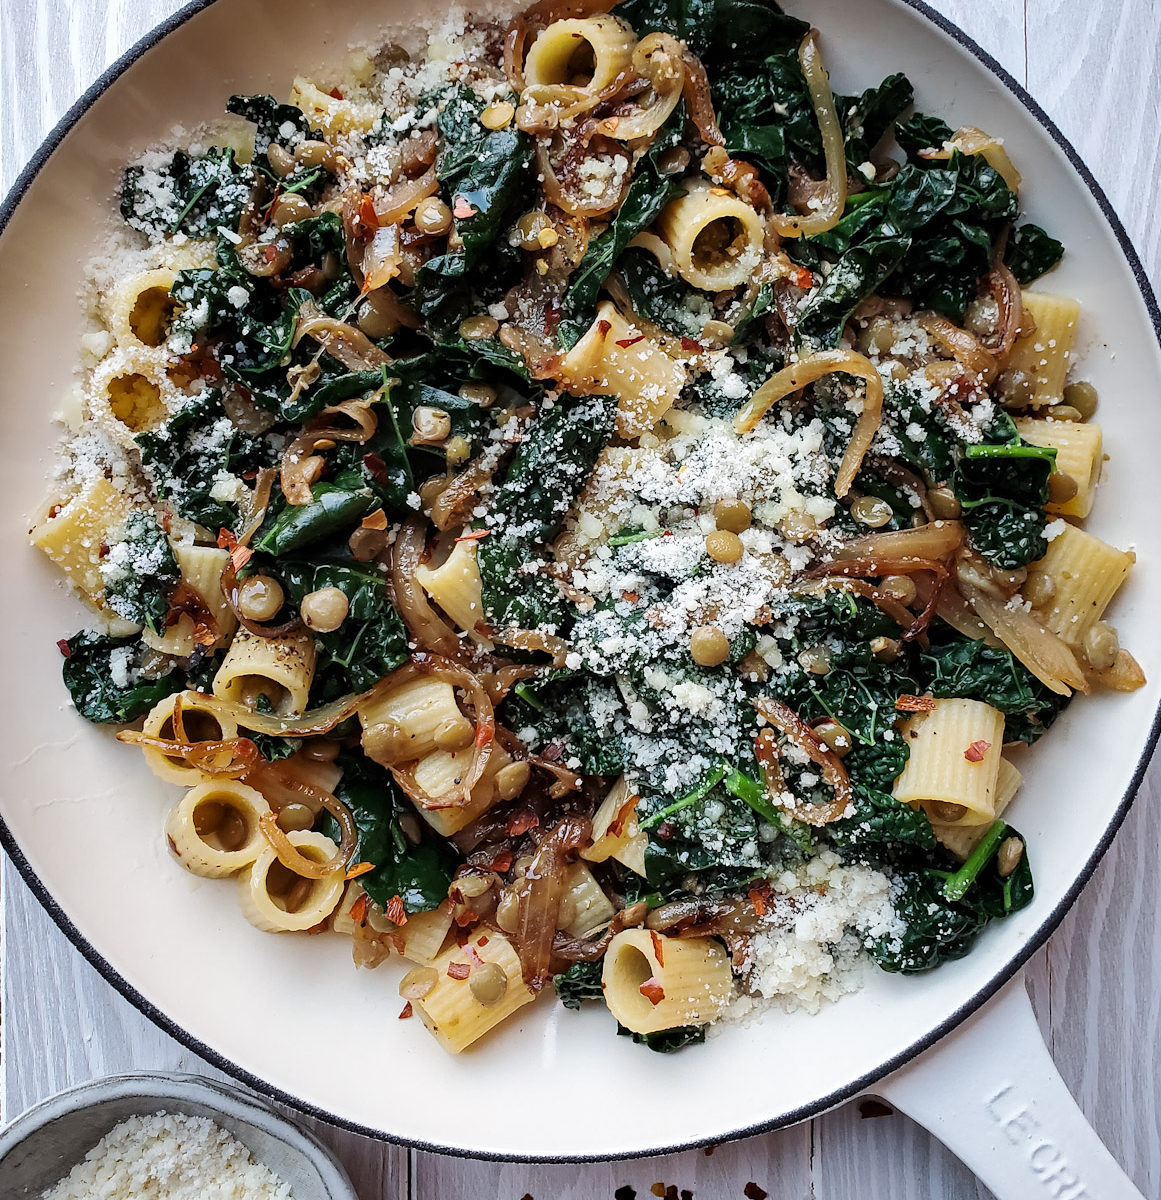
[456, 587]
[411, 721]
[201, 568]
[954, 758]
[1079, 455]
[279, 668]
[213, 829]
[441, 771]
[451, 1011]
[653, 982]
[716, 239]
[617, 359]
[961, 840]
[1045, 355]
[139, 309]
[201, 723]
[265, 910]
[585, 55]
[584, 907]
[1086, 573]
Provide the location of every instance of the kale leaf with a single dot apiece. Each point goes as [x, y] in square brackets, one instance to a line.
[187, 455]
[581, 982]
[188, 194]
[666, 1041]
[140, 571]
[881, 829]
[104, 678]
[369, 644]
[282, 124]
[542, 482]
[418, 874]
[335, 509]
[559, 707]
[1031, 252]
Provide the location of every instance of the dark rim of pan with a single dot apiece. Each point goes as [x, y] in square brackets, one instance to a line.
[45, 151]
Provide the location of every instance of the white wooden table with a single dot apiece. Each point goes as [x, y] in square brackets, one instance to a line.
[1096, 66]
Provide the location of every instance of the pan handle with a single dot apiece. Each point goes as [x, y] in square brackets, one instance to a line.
[991, 1093]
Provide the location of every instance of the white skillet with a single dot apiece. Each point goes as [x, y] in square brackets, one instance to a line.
[82, 816]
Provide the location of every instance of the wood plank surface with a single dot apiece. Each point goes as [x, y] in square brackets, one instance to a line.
[1096, 67]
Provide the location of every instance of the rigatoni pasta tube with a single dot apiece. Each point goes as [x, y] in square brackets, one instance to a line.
[584, 907]
[652, 982]
[442, 770]
[139, 309]
[201, 568]
[279, 668]
[953, 761]
[615, 830]
[409, 722]
[453, 1011]
[1044, 355]
[715, 239]
[1079, 455]
[213, 829]
[961, 840]
[73, 532]
[456, 587]
[276, 900]
[420, 938]
[587, 54]
[617, 359]
[201, 724]
[1085, 574]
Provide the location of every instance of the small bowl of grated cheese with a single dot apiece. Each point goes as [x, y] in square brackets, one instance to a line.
[163, 1137]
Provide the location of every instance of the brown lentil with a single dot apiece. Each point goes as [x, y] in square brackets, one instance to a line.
[472, 329]
[1083, 397]
[899, 587]
[709, 646]
[1101, 645]
[886, 649]
[834, 736]
[945, 812]
[290, 208]
[943, 503]
[815, 659]
[1039, 589]
[482, 394]
[1008, 856]
[1061, 487]
[292, 818]
[366, 544]
[418, 982]
[488, 984]
[432, 216]
[723, 546]
[431, 425]
[1062, 412]
[734, 516]
[281, 162]
[498, 115]
[872, 512]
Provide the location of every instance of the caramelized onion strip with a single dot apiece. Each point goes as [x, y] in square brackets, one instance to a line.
[295, 485]
[861, 568]
[429, 630]
[794, 728]
[229, 759]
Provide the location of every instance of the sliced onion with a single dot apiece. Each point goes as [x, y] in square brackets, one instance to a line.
[566, 780]
[1047, 656]
[937, 539]
[962, 344]
[382, 256]
[540, 903]
[187, 601]
[1010, 305]
[229, 759]
[808, 370]
[273, 777]
[659, 62]
[256, 505]
[452, 507]
[897, 611]
[561, 182]
[311, 724]
[341, 341]
[231, 592]
[528, 639]
[402, 200]
[858, 568]
[833, 201]
[295, 485]
[696, 90]
[429, 630]
[789, 723]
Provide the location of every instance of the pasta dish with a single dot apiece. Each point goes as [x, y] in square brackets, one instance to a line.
[581, 506]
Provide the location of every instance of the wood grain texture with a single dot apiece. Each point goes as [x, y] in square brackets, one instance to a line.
[1096, 987]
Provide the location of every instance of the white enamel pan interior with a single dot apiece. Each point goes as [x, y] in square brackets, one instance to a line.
[289, 1015]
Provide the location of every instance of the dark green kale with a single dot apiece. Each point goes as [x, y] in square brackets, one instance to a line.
[282, 124]
[484, 175]
[105, 680]
[959, 666]
[881, 829]
[188, 194]
[193, 449]
[922, 132]
[666, 1041]
[656, 295]
[140, 571]
[336, 508]
[419, 874]
[541, 484]
[717, 29]
[369, 644]
[559, 706]
[1031, 252]
[648, 194]
[944, 911]
[1003, 487]
[581, 982]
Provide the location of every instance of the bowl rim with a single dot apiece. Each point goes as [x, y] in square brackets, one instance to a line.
[839, 1095]
[226, 1099]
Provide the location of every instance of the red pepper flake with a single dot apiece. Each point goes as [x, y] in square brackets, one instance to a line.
[552, 315]
[603, 328]
[465, 918]
[915, 704]
[406, 1011]
[475, 536]
[804, 279]
[335, 93]
[103, 550]
[652, 991]
[55, 511]
[658, 947]
[240, 556]
[375, 520]
[64, 647]
[483, 940]
[691, 345]
[471, 952]
[759, 903]
[167, 520]
[358, 869]
[377, 468]
[753, 1192]
[368, 217]
[459, 970]
[521, 822]
[503, 862]
[976, 751]
[359, 909]
[625, 343]
[269, 252]
[395, 912]
[462, 209]
[226, 540]
[666, 830]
